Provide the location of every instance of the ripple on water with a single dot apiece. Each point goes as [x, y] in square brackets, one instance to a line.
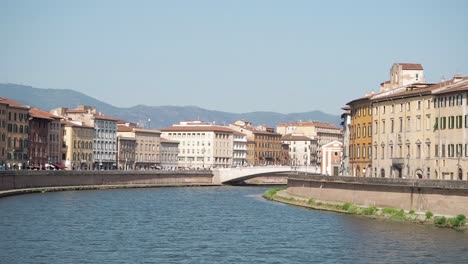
[205, 225]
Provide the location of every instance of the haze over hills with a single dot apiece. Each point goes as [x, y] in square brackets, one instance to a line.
[160, 116]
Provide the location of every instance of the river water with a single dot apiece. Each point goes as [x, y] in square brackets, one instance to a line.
[206, 225]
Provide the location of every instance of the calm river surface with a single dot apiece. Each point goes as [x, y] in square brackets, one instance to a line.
[206, 225]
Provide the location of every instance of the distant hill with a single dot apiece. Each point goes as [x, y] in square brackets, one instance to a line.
[160, 116]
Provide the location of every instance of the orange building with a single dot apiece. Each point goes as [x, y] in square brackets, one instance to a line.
[360, 140]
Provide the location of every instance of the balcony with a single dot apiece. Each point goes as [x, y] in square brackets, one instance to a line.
[398, 161]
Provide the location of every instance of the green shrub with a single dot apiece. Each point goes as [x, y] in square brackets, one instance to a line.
[269, 194]
[311, 202]
[440, 220]
[411, 212]
[429, 214]
[346, 206]
[454, 222]
[461, 217]
[352, 209]
[369, 210]
[389, 211]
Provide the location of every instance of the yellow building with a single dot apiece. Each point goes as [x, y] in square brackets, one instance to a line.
[360, 138]
[78, 139]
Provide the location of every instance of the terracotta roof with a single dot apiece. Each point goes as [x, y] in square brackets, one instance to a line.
[290, 137]
[75, 111]
[461, 85]
[237, 133]
[72, 124]
[197, 128]
[309, 123]
[105, 117]
[411, 66]
[122, 128]
[38, 113]
[13, 103]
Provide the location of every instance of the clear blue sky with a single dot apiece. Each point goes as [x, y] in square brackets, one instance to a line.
[237, 56]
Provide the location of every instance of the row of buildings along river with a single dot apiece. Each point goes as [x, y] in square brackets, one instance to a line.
[85, 139]
[409, 129]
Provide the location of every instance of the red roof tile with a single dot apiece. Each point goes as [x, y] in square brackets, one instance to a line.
[38, 113]
[411, 66]
[197, 128]
[13, 103]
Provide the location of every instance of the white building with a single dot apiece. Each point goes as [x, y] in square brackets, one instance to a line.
[302, 149]
[202, 145]
[331, 158]
[239, 157]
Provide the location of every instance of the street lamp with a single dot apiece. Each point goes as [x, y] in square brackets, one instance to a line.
[407, 164]
[203, 153]
[305, 161]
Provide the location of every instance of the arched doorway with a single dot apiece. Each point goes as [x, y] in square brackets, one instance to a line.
[382, 173]
[460, 174]
[419, 174]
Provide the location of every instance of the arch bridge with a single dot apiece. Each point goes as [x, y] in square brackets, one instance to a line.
[236, 174]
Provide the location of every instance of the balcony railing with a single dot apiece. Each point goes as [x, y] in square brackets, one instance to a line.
[398, 161]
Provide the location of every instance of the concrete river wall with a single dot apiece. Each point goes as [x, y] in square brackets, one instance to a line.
[440, 197]
[13, 180]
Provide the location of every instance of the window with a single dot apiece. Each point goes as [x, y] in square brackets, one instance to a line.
[383, 127]
[401, 124]
[419, 105]
[408, 124]
[392, 109]
[418, 123]
[443, 150]
[369, 151]
[383, 151]
[364, 131]
[443, 122]
[369, 130]
[417, 76]
[375, 125]
[428, 103]
[459, 150]
[466, 120]
[391, 125]
[358, 151]
[401, 107]
[358, 131]
[459, 121]
[428, 122]
[459, 99]
[451, 122]
[363, 152]
[418, 151]
[408, 106]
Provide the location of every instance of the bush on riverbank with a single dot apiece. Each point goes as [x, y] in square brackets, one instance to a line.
[389, 213]
[270, 194]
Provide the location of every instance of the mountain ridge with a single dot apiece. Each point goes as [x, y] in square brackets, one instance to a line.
[159, 116]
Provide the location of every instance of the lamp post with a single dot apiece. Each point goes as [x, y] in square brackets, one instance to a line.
[407, 165]
[305, 161]
[203, 153]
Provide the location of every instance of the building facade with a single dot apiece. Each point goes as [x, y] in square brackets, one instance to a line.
[126, 152]
[17, 134]
[302, 150]
[239, 156]
[78, 140]
[268, 149]
[331, 157]
[147, 146]
[360, 138]
[202, 145]
[169, 154]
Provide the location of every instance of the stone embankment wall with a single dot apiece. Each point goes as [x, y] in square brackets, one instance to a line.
[439, 197]
[11, 180]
